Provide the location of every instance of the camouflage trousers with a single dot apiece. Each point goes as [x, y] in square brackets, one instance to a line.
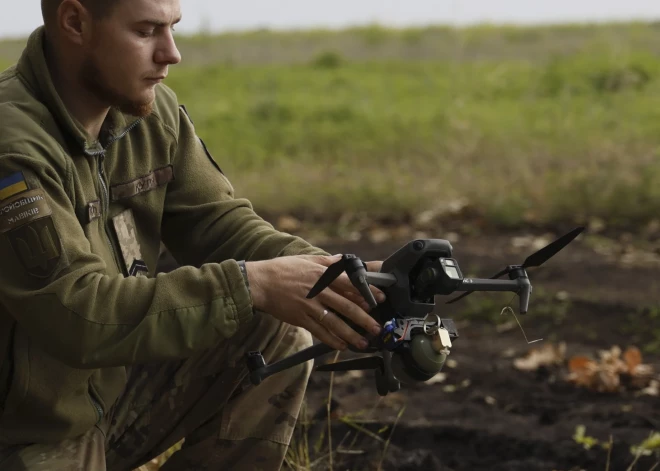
[227, 423]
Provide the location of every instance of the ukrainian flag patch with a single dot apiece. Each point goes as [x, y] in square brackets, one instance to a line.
[11, 185]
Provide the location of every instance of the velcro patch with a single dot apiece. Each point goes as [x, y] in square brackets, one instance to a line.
[22, 209]
[139, 268]
[143, 184]
[93, 210]
[37, 246]
[126, 230]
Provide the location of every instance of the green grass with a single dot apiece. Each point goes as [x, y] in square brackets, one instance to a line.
[529, 125]
[571, 139]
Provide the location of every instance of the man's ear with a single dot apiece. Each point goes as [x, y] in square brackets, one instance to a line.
[73, 20]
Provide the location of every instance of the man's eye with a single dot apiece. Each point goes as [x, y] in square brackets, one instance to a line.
[145, 34]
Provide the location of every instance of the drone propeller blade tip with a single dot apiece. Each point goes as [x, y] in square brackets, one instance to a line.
[541, 256]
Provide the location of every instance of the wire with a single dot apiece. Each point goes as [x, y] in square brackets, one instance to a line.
[509, 308]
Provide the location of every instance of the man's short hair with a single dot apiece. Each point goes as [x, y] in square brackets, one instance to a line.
[99, 8]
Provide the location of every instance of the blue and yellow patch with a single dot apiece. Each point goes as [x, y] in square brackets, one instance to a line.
[11, 185]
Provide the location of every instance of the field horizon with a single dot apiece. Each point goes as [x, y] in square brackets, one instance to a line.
[516, 125]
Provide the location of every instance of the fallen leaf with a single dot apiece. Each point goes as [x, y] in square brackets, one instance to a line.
[547, 355]
[490, 400]
[653, 389]
[579, 364]
[632, 357]
[613, 371]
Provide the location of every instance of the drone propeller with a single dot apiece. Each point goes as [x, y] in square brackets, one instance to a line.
[366, 363]
[356, 271]
[543, 255]
[537, 259]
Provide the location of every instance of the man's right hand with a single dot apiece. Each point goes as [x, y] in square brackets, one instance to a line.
[279, 287]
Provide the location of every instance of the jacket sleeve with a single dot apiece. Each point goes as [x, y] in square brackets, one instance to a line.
[57, 289]
[204, 222]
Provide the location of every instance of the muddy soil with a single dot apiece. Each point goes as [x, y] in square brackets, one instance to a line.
[487, 414]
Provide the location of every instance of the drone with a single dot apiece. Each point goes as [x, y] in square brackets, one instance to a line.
[414, 342]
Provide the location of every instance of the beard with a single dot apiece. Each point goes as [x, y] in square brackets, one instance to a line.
[93, 80]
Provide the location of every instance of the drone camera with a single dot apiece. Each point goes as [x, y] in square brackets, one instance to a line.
[437, 276]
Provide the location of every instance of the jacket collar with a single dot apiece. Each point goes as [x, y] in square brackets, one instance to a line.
[33, 68]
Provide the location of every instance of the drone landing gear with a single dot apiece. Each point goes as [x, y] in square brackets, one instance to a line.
[386, 382]
[260, 371]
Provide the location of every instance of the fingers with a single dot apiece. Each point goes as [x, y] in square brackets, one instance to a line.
[338, 327]
[374, 265]
[343, 285]
[324, 335]
[325, 260]
[357, 299]
[351, 311]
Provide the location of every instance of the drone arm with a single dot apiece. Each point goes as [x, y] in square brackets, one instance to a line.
[520, 285]
[260, 371]
[479, 284]
[380, 280]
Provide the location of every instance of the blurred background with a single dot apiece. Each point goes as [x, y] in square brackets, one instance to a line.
[498, 126]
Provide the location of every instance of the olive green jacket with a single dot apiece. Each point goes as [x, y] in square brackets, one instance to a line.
[77, 219]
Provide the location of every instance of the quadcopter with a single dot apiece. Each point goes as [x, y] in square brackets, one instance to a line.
[414, 342]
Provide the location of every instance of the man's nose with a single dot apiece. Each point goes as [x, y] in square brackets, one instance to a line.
[168, 53]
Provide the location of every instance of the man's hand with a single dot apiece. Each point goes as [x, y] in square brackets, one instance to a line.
[280, 286]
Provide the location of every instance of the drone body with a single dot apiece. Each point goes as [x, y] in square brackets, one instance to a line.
[414, 343]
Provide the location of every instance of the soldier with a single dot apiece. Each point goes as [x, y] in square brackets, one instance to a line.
[103, 364]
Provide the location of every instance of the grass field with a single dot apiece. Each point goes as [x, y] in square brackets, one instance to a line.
[538, 125]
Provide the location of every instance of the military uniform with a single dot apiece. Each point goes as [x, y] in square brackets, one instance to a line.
[100, 358]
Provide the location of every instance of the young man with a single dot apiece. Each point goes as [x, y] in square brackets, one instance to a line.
[102, 364]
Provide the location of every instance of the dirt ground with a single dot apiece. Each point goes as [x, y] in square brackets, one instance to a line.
[486, 414]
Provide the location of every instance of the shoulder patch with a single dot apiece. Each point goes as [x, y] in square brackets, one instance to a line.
[22, 209]
[37, 246]
[11, 185]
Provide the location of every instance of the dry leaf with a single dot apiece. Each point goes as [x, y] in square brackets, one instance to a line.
[547, 355]
[582, 371]
[632, 357]
[653, 389]
[579, 364]
[613, 370]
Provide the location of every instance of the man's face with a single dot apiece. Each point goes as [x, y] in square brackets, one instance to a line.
[129, 52]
